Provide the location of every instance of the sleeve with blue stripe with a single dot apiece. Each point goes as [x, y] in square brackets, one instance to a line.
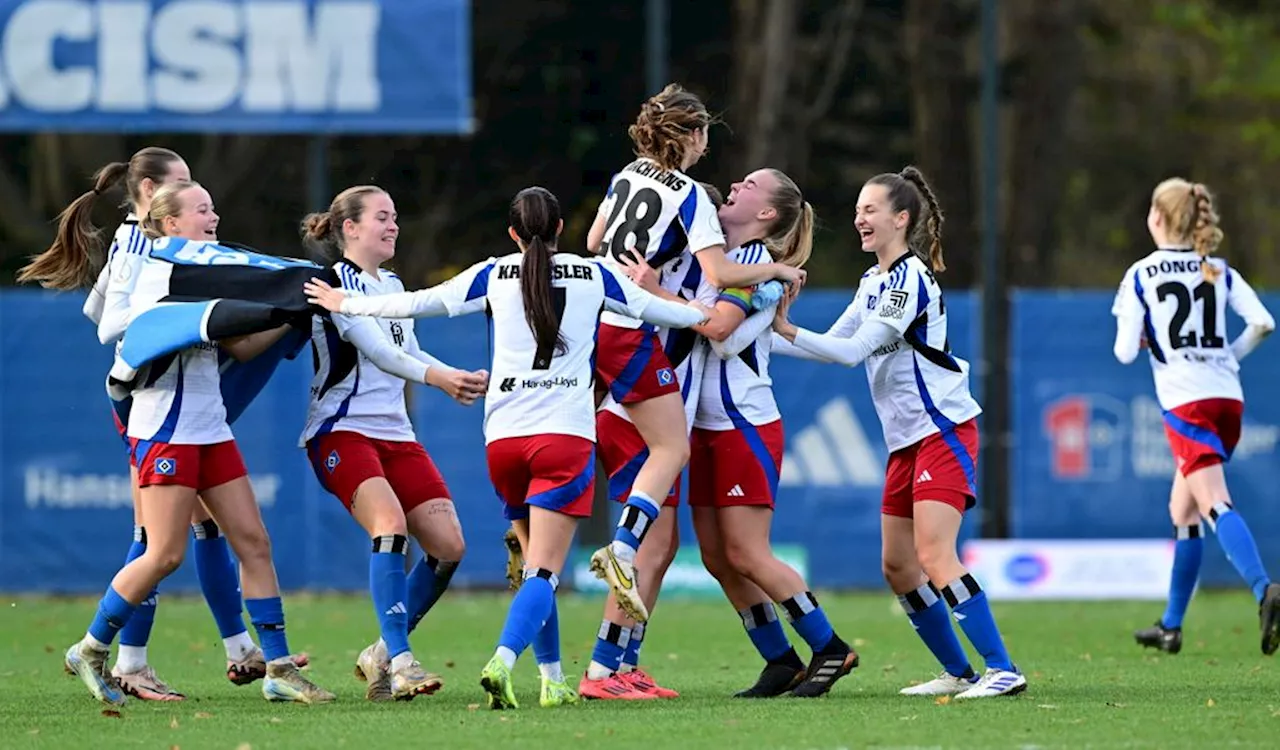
[465, 293]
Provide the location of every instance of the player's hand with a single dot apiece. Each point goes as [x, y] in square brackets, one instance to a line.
[462, 386]
[319, 293]
[781, 314]
[640, 272]
[706, 311]
[789, 275]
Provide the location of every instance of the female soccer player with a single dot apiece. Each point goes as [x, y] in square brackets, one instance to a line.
[737, 448]
[1176, 298]
[361, 442]
[68, 264]
[539, 409]
[181, 446]
[897, 324]
[654, 211]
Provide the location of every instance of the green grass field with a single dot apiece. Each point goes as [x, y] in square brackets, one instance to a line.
[1090, 685]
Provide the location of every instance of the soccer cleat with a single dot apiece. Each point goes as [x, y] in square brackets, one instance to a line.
[995, 682]
[1158, 636]
[621, 577]
[375, 671]
[253, 667]
[284, 682]
[1269, 615]
[642, 682]
[944, 684]
[90, 665]
[409, 682]
[145, 685]
[775, 679]
[515, 559]
[495, 678]
[556, 694]
[824, 670]
[611, 688]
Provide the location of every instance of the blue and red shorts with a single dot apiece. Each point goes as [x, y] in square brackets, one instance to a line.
[199, 467]
[344, 460]
[555, 472]
[623, 452]
[943, 467]
[1203, 433]
[735, 467]
[631, 363]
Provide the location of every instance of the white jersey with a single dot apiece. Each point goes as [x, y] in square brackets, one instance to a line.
[533, 391]
[108, 302]
[349, 392]
[737, 391]
[918, 387]
[658, 214]
[1185, 323]
[179, 399]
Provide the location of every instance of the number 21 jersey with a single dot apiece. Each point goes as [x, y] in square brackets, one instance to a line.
[659, 215]
[1185, 323]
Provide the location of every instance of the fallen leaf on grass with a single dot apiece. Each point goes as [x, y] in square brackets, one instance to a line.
[673, 657]
[173, 723]
[449, 664]
[886, 669]
[942, 700]
[473, 706]
[1210, 703]
[244, 746]
[276, 720]
[37, 730]
[859, 642]
[579, 736]
[1086, 657]
[1048, 706]
[206, 715]
[111, 713]
[912, 717]
[1115, 705]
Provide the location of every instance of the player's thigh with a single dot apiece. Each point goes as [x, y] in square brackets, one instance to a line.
[1182, 504]
[550, 536]
[435, 525]
[1208, 485]
[937, 529]
[376, 508]
[239, 517]
[661, 422]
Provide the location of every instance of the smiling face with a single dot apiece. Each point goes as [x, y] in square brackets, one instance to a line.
[751, 199]
[195, 219]
[373, 235]
[876, 221]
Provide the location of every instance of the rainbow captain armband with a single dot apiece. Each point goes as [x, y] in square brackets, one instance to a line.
[737, 296]
[767, 295]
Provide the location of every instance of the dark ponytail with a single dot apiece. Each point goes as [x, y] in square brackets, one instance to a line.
[535, 217]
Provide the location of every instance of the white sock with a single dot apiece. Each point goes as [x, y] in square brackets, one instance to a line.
[94, 643]
[131, 659]
[507, 656]
[624, 667]
[380, 651]
[623, 551]
[597, 671]
[552, 672]
[239, 646]
[400, 661]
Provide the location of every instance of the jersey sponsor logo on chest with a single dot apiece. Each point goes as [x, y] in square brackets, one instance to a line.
[895, 304]
[509, 384]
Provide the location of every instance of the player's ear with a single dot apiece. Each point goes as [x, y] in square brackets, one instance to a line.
[511, 232]
[559, 227]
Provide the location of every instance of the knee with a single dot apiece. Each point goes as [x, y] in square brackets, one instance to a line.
[164, 560]
[901, 573]
[716, 563]
[937, 559]
[674, 452]
[253, 546]
[741, 559]
[452, 548]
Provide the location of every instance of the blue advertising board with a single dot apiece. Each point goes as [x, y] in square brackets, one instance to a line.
[1089, 459]
[247, 66]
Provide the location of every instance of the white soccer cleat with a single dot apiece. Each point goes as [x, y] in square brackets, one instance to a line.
[374, 668]
[90, 665]
[995, 682]
[943, 684]
[621, 577]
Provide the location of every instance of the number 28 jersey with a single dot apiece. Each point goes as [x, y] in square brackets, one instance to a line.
[1184, 319]
[659, 215]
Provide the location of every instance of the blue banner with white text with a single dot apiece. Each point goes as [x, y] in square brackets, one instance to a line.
[243, 66]
[1089, 457]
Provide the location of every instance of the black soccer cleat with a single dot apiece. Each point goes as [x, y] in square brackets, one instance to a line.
[1269, 618]
[778, 676]
[827, 666]
[1158, 636]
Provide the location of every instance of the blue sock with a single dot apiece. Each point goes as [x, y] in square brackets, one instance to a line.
[219, 578]
[1242, 551]
[809, 621]
[546, 644]
[137, 631]
[969, 603]
[267, 616]
[611, 645]
[637, 516]
[529, 610]
[387, 589]
[765, 630]
[113, 613]
[631, 655]
[929, 617]
[1187, 554]
[427, 582]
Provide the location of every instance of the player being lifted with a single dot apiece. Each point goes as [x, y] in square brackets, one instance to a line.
[657, 214]
[1175, 301]
[897, 325]
[540, 408]
[362, 445]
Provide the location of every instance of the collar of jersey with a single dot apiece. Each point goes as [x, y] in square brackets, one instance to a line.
[1179, 249]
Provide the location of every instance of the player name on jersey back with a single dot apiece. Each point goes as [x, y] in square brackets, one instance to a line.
[559, 272]
[672, 180]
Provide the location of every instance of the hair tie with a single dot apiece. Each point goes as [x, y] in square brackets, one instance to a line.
[95, 190]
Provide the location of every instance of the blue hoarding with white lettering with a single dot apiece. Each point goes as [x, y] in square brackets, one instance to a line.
[248, 66]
